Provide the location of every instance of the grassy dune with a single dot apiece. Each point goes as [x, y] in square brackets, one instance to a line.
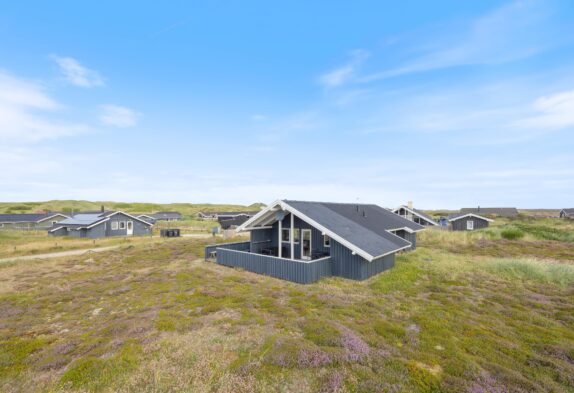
[187, 209]
[157, 318]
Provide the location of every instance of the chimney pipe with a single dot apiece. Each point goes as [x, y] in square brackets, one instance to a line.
[102, 208]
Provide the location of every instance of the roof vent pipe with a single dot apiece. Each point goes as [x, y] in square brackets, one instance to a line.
[102, 208]
[357, 208]
[364, 214]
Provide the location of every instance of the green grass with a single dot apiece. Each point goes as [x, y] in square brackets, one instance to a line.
[156, 317]
[511, 233]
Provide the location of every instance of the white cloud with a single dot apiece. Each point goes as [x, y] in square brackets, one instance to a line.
[20, 101]
[553, 111]
[514, 31]
[118, 116]
[77, 74]
[341, 75]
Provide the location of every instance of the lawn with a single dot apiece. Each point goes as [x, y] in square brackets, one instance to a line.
[157, 318]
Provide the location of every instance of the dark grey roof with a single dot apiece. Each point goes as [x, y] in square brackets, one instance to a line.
[249, 214]
[227, 223]
[160, 215]
[366, 228]
[26, 217]
[456, 216]
[568, 211]
[84, 219]
[498, 211]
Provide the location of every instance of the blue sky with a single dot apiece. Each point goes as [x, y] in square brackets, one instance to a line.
[447, 104]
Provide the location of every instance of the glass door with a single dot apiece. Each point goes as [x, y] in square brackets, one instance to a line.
[306, 244]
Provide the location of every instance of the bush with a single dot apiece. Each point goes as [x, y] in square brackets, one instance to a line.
[511, 233]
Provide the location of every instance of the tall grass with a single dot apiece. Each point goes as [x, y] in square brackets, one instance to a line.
[511, 233]
[532, 270]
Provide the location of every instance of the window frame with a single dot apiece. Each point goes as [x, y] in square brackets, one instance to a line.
[296, 240]
[288, 235]
[469, 225]
[122, 225]
[115, 225]
[325, 242]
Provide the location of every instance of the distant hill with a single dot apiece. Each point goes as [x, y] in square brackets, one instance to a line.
[67, 206]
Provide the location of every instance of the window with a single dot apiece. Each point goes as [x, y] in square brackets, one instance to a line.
[114, 225]
[326, 241]
[285, 235]
[54, 222]
[296, 235]
[122, 225]
[470, 225]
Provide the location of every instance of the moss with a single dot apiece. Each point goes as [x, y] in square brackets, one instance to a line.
[15, 352]
[93, 374]
[321, 333]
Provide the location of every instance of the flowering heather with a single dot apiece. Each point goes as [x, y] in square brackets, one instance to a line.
[355, 348]
[313, 358]
[333, 383]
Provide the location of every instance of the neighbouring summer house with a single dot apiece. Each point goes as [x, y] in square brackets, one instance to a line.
[30, 221]
[305, 241]
[567, 213]
[102, 224]
[468, 221]
[415, 215]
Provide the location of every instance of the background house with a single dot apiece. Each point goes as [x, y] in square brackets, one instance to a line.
[304, 241]
[26, 221]
[567, 213]
[102, 224]
[468, 221]
[225, 215]
[167, 216]
[415, 215]
[492, 211]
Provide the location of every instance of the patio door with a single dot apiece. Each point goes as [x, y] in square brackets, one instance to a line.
[306, 244]
[130, 228]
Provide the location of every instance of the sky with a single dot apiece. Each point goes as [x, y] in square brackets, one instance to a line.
[447, 104]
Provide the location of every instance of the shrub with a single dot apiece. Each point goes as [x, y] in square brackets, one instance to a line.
[533, 270]
[511, 233]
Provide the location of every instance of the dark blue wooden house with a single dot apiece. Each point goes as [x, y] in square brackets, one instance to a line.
[304, 241]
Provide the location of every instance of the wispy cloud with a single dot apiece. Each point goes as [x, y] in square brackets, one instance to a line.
[552, 111]
[25, 110]
[118, 116]
[342, 74]
[514, 31]
[77, 74]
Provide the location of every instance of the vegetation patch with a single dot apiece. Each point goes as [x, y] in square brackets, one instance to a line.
[511, 233]
[533, 270]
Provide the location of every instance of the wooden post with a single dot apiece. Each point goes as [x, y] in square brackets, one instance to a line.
[279, 244]
[292, 236]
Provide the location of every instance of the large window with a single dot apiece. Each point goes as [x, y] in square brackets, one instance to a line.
[326, 241]
[470, 225]
[285, 235]
[114, 225]
[296, 235]
[122, 225]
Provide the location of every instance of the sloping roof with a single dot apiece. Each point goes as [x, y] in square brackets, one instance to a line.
[160, 215]
[569, 212]
[365, 229]
[27, 217]
[417, 212]
[498, 211]
[458, 216]
[249, 214]
[88, 220]
[227, 223]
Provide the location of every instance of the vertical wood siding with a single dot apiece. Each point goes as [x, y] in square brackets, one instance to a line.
[460, 225]
[285, 269]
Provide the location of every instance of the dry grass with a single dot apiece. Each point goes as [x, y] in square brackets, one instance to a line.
[157, 318]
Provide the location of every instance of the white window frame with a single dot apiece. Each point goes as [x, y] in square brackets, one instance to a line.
[288, 230]
[115, 225]
[123, 225]
[298, 232]
[470, 225]
[326, 241]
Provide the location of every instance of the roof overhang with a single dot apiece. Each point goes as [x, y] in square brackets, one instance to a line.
[470, 215]
[433, 222]
[267, 216]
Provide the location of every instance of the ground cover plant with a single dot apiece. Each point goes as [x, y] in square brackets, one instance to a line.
[156, 317]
